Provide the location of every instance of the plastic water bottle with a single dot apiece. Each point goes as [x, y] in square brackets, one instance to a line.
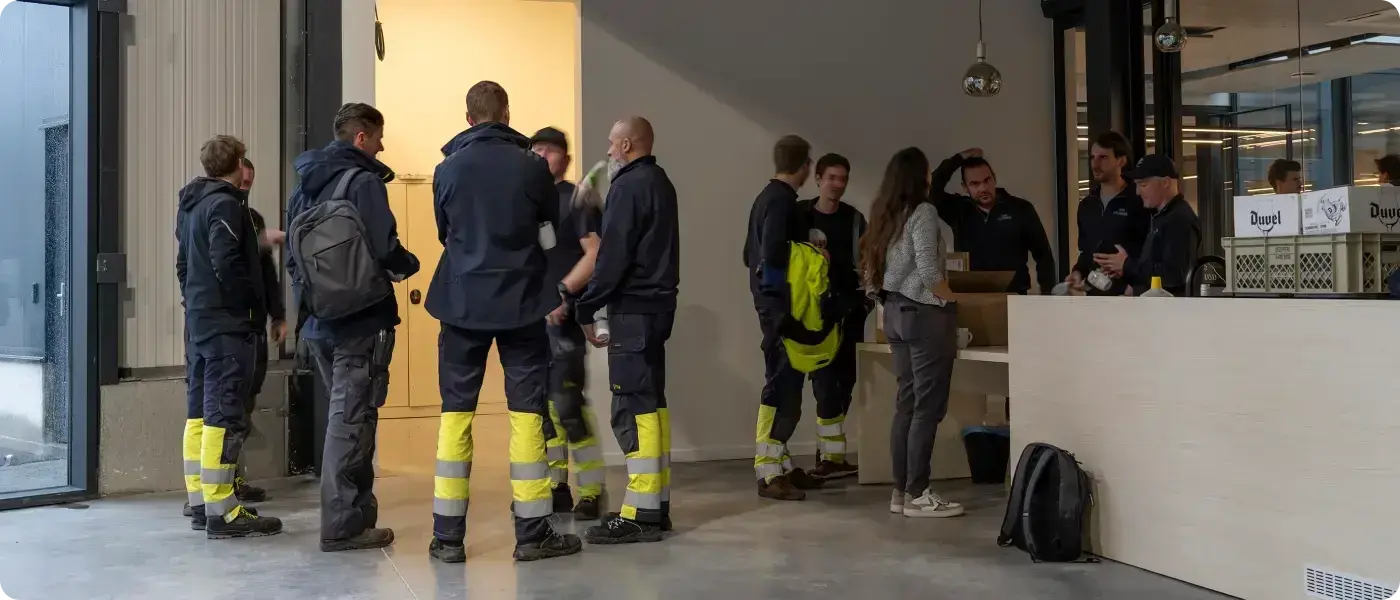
[1157, 291]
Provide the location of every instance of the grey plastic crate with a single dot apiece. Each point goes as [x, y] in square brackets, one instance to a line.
[1350, 263]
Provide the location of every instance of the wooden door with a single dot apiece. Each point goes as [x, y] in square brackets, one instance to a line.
[399, 365]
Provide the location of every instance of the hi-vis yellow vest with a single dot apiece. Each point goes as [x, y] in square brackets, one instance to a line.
[808, 283]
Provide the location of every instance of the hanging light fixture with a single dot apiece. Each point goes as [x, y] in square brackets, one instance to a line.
[982, 79]
[1171, 36]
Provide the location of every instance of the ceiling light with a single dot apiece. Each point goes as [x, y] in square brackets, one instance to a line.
[1171, 37]
[982, 80]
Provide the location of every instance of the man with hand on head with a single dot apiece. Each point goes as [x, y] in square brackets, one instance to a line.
[570, 264]
[492, 197]
[1173, 238]
[637, 277]
[996, 229]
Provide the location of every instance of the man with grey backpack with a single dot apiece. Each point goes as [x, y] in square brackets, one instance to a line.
[343, 255]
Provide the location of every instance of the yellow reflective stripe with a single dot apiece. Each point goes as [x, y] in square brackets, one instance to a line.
[450, 508]
[628, 512]
[216, 478]
[529, 469]
[451, 488]
[452, 468]
[193, 442]
[527, 443]
[454, 441]
[766, 414]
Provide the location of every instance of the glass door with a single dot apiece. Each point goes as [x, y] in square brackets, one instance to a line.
[36, 424]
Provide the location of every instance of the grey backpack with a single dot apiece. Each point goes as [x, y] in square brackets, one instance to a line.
[337, 274]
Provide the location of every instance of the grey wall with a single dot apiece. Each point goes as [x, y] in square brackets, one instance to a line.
[721, 80]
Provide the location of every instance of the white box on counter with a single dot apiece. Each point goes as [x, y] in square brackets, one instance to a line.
[1351, 210]
[1270, 215]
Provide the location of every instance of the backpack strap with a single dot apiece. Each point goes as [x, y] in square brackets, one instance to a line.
[342, 188]
[1014, 504]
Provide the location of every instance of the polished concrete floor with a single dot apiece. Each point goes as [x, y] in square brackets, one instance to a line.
[729, 544]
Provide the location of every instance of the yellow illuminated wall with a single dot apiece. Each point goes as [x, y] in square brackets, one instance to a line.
[436, 50]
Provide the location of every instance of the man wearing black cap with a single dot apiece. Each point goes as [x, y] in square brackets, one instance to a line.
[1173, 239]
[569, 266]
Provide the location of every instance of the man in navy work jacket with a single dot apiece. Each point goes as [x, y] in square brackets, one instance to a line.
[352, 353]
[636, 277]
[495, 204]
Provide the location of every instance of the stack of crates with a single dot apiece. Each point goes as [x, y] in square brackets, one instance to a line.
[1326, 242]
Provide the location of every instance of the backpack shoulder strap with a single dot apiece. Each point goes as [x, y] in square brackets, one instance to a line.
[1018, 492]
[342, 188]
[1043, 463]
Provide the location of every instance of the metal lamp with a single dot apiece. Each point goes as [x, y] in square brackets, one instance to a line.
[1171, 36]
[982, 80]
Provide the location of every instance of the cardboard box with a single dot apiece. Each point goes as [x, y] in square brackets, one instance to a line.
[982, 304]
[1271, 215]
[958, 261]
[1351, 210]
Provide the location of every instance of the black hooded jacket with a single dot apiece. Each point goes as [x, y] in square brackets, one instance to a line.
[999, 239]
[639, 259]
[491, 195]
[221, 281]
[318, 171]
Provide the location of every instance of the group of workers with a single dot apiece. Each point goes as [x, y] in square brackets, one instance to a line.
[529, 261]
[525, 266]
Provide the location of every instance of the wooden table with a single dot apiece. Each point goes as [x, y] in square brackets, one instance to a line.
[978, 396]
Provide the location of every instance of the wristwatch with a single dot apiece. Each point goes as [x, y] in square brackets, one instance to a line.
[563, 290]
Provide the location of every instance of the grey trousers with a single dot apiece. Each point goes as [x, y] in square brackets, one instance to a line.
[924, 341]
[356, 373]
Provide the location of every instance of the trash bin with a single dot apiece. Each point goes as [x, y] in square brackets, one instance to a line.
[988, 450]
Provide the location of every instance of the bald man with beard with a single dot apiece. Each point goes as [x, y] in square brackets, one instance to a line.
[636, 278]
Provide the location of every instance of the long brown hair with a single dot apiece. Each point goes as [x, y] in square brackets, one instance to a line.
[904, 188]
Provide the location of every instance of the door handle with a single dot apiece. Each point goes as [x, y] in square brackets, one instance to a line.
[415, 296]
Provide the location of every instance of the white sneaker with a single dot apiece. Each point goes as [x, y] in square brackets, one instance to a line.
[897, 502]
[930, 505]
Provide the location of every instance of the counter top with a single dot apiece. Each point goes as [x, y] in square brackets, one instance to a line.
[994, 354]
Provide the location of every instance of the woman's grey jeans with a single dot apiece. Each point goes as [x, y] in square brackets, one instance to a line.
[924, 341]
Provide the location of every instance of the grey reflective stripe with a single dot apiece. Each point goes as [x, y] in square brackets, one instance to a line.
[453, 469]
[665, 461]
[642, 501]
[220, 508]
[559, 475]
[643, 466]
[556, 452]
[449, 508]
[768, 470]
[832, 430]
[787, 463]
[529, 471]
[216, 476]
[192, 467]
[590, 476]
[535, 509]
[588, 454]
[195, 498]
[831, 447]
[771, 450]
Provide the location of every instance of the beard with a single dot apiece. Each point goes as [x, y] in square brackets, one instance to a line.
[614, 165]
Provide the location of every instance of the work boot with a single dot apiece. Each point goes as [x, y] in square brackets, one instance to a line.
[248, 493]
[198, 521]
[827, 470]
[553, 545]
[587, 509]
[248, 524]
[802, 481]
[563, 499]
[779, 488]
[665, 520]
[188, 512]
[446, 552]
[368, 539]
[617, 530]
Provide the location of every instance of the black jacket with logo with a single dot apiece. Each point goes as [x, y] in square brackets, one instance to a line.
[217, 263]
[1102, 227]
[491, 195]
[639, 258]
[1170, 250]
[999, 239]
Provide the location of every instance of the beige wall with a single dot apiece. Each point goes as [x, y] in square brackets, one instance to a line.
[437, 49]
[722, 80]
[1231, 441]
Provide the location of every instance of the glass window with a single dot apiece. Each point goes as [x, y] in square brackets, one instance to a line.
[1375, 111]
[35, 175]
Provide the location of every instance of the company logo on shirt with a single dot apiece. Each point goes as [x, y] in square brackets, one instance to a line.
[1003, 217]
[1123, 212]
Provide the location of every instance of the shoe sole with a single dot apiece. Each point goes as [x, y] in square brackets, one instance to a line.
[634, 539]
[449, 560]
[198, 526]
[251, 534]
[835, 476]
[782, 499]
[933, 514]
[348, 546]
[547, 554]
[897, 509]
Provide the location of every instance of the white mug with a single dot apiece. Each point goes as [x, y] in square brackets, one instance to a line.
[547, 240]
[964, 337]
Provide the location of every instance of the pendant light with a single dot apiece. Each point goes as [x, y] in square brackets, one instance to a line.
[1171, 36]
[982, 79]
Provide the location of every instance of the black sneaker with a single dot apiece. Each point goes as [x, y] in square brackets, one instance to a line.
[199, 522]
[187, 511]
[587, 509]
[617, 530]
[827, 470]
[248, 493]
[563, 499]
[248, 524]
[368, 539]
[803, 481]
[553, 545]
[446, 552]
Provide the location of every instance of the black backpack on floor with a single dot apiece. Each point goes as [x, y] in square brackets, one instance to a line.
[1047, 514]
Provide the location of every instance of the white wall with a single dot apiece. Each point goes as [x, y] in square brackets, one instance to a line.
[722, 80]
[357, 52]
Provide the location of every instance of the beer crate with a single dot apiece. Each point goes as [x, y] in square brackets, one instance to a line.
[1349, 263]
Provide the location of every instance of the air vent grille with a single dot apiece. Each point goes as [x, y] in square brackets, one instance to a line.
[1327, 584]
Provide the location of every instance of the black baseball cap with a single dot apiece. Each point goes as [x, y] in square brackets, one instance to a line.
[1153, 165]
[551, 136]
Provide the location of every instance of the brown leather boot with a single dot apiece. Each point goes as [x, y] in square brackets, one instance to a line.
[780, 488]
